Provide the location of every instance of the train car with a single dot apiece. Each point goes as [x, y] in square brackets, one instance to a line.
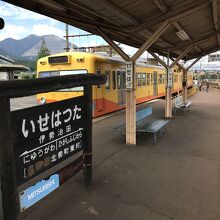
[150, 80]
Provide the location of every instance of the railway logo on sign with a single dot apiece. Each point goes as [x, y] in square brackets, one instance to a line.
[35, 193]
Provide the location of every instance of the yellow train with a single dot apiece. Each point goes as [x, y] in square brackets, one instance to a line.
[150, 80]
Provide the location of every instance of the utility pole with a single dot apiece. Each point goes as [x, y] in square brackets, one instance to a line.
[67, 39]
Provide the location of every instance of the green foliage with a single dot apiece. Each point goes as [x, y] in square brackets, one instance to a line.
[34, 76]
[28, 75]
[29, 63]
[25, 76]
[43, 51]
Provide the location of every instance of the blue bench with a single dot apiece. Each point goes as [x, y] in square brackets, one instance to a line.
[144, 125]
[179, 104]
[153, 127]
[140, 116]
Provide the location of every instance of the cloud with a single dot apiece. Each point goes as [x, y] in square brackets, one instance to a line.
[10, 11]
[13, 31]
[44, 29]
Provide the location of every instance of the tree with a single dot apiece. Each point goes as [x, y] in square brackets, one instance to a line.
[43, 51]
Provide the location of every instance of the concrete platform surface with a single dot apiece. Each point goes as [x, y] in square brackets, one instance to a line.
[178, 178]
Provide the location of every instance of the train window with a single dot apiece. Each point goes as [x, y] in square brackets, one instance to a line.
[151, 79]
[160, 80]
[119, 79]
[148, 79]
[72, 72]
[164, 77]
[107, 84]
[123, 79]
[48, 74]
[139, 79]
[98, 71]
[113, 80]
[143, 79]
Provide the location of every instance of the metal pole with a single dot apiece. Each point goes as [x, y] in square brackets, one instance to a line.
[87, 152]
[67, 39]
[1, 205]
[10, 201]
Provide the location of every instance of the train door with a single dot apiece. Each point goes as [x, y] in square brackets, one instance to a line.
[155, 84]
[99, 94]
[121, 86]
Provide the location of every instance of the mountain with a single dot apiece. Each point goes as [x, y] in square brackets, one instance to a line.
[27, 48]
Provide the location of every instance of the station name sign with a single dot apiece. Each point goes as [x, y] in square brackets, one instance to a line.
[214, 57]
[58, 59]
[129, 75]
[46, 135]
[169, 78]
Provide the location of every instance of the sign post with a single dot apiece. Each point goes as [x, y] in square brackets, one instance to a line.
[36, 142]
[169, 78]
[129, 75]
[9, 191]
[87, 152]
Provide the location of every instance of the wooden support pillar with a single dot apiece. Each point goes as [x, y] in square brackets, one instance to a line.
[130, 117]
[130, 79]
[168, 99]
[130, 104]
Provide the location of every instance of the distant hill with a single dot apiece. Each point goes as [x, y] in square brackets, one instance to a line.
[27, 48]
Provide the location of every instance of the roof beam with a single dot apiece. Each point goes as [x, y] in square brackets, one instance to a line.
[193, 63]
[176, 16]
[121, 13]
[158, 58]
[215, 17]
[114, 45]
[179, 65]
[197, 48]
[178, 26]
[180, 56]
[205, 52]
[151, 40]
[190, 9]
[197, 41]
[161, 5]
[85, 11]
[161, 39]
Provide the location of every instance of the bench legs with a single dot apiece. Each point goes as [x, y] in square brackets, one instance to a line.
[155, 137]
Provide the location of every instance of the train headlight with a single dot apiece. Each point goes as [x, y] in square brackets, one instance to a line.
[43, 100]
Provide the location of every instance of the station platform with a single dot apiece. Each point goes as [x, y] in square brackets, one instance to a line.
[176, 178]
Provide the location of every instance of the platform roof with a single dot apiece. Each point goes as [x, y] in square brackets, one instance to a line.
[13, 67]
[132, 22]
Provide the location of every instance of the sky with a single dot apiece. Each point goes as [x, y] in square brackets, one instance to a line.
[19, 23]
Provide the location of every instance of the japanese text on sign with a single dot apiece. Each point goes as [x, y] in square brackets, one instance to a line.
[129, 75]
[46, 135]
[169, 78]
